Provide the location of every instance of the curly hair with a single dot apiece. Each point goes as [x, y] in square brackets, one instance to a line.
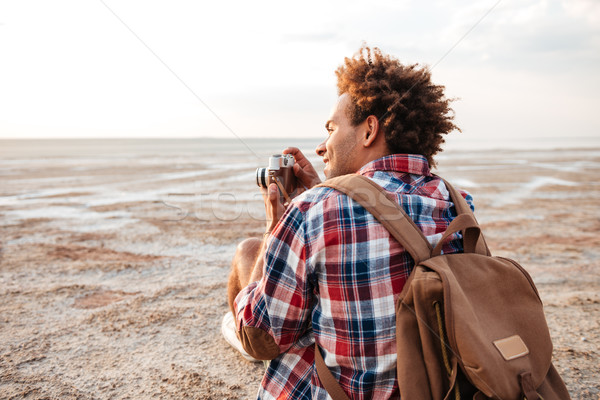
[412, 111]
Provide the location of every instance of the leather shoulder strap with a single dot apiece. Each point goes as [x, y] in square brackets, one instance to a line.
[462, 207]
[327, 379]
[389, 213]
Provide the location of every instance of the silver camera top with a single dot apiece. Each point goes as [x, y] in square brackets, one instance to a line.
[277, 161]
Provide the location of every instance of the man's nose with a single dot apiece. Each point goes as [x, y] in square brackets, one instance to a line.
[321, 149]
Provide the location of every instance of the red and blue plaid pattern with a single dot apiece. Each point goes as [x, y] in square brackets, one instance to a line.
[333, 274]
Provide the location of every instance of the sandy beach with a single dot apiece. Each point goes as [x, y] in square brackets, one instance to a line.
[114, 259]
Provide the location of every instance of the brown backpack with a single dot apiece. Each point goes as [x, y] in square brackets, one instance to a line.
[468, 324]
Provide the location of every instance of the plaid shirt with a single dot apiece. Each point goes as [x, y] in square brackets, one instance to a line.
[333, 274]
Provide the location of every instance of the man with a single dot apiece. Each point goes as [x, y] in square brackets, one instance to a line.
[327, 271]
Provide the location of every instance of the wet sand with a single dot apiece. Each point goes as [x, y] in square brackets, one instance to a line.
[113, 267]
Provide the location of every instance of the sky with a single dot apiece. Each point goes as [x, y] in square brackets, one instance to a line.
[113, 69]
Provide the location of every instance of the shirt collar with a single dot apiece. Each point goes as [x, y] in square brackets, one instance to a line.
[411, 163]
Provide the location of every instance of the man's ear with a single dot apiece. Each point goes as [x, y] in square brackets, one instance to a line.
[372, 130]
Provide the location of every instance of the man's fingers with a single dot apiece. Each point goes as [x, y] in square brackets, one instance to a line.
[303, 169]
[299, 172]
[298, 156]
[273, 192]
[308, 178]
[292, 150]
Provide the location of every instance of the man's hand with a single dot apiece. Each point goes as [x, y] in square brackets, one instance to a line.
[303, 169]
[307, 177]
[274, 210]
[273, 207]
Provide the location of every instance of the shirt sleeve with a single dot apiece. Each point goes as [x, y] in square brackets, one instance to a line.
[469, 198]
[279, 304]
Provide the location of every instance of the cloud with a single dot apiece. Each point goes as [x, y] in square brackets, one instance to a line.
[587, 10]
[541, 35]
[319, 37]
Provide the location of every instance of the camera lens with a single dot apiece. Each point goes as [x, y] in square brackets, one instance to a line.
[262, 177]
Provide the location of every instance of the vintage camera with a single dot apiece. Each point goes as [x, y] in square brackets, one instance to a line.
[279, 171]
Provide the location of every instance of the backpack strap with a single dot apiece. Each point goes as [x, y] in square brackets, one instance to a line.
[461, 205]
[471, 242]
[471, 233]
[327, 379]
[387, 211]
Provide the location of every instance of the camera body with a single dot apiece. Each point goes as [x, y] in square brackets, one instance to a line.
[280, 170]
